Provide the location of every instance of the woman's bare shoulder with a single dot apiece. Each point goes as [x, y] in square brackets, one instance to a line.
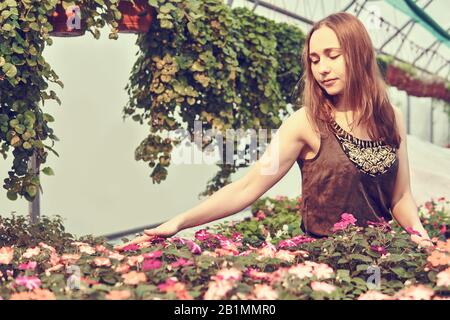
[305, 129]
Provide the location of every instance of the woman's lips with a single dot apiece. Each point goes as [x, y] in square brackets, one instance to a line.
[329, 83]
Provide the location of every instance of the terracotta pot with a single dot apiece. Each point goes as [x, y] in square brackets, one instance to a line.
[136, 18]
[66, 23]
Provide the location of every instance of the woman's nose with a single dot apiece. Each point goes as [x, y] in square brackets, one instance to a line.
[323, 68]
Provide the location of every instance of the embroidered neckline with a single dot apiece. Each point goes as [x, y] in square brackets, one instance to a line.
[355, 140]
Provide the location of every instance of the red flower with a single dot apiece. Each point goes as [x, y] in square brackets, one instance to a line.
[202, 235]
[181, 262]
[346, 220]
[131, 247]
[237, 237]
[379, 249]
[28, 266]
[151, 264]
[153, 255]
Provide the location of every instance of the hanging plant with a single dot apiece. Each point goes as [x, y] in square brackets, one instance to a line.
[203, 61]
[24, 76]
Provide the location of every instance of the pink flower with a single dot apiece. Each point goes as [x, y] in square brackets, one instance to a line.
[101, 249]
[443, 278]
[151, 264]
[54, 268]
[87, 250]
[28, 266]
[172, 285]
[419, 292]
[378, 249]
[301, 271]
[322, 286]
[102, 262]
[218, 289]
[30, 283]
[193, 247]
[264, 292]
[323, 271]
[229, 274]
[280, 198]
[116, 256]
[130, 247]
[133, 261]
[6, 255]
[257, 275]
[260, 215]
[168, 284]
[346, 220]
[412, 231]
[31, 252]
[122, 268]
[202, 235]
[443, 229]
[70, 258]
[153, 255]
[134, 278]
[181, 262]
[45, 246]
[374, 295]
[295, 241]
[236, 236]
[118, 295]
[285, 255]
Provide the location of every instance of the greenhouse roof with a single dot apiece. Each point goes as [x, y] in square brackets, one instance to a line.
[417, 36]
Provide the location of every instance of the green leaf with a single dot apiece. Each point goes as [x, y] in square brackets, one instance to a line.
[7, 27]
[11, 195]
[360, 257]
[167, 8]
[32, 190]
[10, 70]
[166, 24]
[48, 171]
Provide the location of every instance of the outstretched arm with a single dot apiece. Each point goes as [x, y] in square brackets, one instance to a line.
[404, 207]
[276, 161]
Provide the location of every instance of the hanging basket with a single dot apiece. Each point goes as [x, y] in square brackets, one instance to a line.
[136, 18]
[66, 22]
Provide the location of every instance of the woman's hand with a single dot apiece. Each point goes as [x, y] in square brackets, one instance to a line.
[166, 229]
[422, 241]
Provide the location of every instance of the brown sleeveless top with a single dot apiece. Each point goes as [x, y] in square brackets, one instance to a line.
[347, 175]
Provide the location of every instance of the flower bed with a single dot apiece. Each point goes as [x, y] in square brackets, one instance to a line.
[263, 257]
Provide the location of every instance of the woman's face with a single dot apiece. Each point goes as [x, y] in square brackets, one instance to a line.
[327, 60]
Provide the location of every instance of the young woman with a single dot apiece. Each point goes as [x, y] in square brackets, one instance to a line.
[347, 138]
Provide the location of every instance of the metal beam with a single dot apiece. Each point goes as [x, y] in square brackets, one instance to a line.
[34, 207]
[403, 40]
[348, 6]
[402, 27]
[424, 51]
[360, 9]
[288, 13]
[256, 5]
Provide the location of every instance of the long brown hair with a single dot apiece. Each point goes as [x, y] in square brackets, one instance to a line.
[365, 90]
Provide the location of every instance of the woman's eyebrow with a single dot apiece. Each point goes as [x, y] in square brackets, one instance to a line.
[326, 50]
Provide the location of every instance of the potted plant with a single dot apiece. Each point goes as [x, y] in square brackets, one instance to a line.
[137, 16]
[66, 21]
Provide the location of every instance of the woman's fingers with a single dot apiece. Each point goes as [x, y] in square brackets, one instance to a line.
[134, 241]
